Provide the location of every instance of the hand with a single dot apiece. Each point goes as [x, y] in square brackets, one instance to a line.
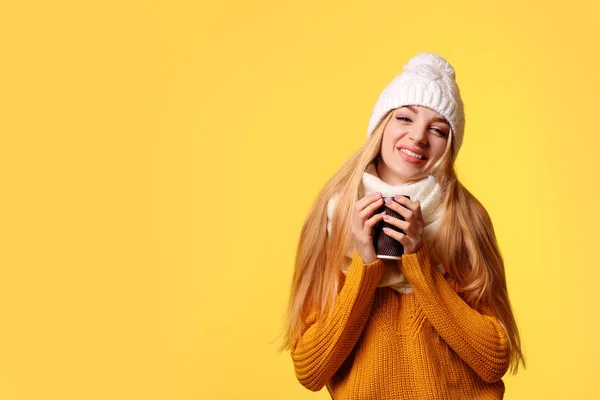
[362, 225]
[413, 226]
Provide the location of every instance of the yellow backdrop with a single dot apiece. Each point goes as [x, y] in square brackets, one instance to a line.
[158, 159]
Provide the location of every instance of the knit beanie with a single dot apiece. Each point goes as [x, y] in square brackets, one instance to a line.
[427, 80]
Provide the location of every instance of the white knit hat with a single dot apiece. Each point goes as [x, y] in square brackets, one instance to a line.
[427, 80]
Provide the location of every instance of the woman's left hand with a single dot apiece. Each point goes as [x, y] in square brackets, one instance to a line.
[413, 225]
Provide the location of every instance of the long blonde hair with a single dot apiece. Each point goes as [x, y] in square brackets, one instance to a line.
[465, 244]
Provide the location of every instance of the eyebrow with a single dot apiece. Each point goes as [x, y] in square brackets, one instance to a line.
[438, 119]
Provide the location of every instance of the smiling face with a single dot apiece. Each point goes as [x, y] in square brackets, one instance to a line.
[414, 139]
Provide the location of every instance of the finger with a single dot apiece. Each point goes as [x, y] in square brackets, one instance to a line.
[399, 236]
[414, 206]
[400, 209]
[366, 200]
[404, 225]
[371, 208]
[371, 222]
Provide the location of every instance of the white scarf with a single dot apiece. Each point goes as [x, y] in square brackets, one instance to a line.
[428, 192]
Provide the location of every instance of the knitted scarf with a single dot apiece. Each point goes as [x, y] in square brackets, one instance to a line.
[428, 192]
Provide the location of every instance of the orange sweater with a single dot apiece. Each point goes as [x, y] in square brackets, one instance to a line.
[380, 344]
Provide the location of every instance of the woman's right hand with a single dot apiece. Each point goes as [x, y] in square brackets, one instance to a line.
[363, 221]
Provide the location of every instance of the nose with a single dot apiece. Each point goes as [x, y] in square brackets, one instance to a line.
[418, 134]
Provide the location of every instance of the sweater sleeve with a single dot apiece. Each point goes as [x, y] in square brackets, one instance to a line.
[479, 339]
[319, 351]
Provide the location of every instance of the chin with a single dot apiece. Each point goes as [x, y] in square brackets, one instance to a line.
[403, 175]
[405, 171]
[409, 172]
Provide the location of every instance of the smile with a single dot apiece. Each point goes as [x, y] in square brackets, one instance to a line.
[420, 157]
[411, 156]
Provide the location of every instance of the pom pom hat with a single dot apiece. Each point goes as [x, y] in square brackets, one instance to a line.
[427, 80]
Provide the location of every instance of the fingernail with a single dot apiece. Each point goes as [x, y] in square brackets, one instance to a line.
[388, 201]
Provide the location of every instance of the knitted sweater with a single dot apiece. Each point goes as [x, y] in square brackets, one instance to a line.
[381, 344]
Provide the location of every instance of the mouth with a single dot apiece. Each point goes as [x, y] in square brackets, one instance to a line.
[411, 155]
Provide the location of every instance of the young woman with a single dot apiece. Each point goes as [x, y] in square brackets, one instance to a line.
[435, 324]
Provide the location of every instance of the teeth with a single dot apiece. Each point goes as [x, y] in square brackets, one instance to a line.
[412, 154]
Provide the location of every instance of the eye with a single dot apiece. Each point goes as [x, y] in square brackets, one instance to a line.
[403, 118]
[439, 131]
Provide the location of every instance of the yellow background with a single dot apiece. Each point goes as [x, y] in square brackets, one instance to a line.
[157, 160]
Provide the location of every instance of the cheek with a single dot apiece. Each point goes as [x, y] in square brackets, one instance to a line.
[392, 137]
[440, 148]
[388, 145]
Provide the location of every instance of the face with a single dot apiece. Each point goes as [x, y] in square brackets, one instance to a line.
[414, 139]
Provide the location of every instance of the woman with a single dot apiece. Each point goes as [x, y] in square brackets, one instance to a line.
[436, 324]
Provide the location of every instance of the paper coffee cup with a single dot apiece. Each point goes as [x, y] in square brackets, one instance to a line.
[386, 246]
